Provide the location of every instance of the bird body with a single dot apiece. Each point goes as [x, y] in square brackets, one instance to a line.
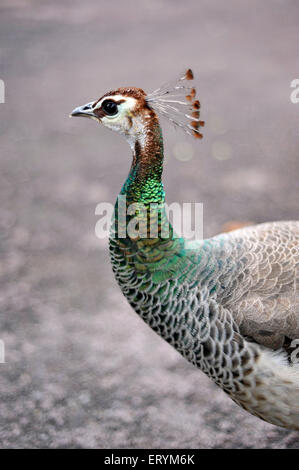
[228, 304]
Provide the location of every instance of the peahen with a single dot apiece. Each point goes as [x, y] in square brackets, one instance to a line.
[228, 304]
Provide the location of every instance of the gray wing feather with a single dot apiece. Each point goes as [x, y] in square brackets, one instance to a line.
[265, 296]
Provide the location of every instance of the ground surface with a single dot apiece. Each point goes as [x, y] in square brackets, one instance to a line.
[82, 370]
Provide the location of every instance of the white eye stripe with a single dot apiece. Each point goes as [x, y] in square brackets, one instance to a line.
[112, 97]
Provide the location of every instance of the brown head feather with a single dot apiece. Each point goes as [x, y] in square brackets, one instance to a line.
[189, 75]
[133, 92]
[197, 134]
[195, 124]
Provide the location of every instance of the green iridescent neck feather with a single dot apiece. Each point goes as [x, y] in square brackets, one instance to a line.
[142, 196]
[144, 183]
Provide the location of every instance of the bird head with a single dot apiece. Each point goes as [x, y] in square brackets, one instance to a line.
[130, 111]
[122, 110]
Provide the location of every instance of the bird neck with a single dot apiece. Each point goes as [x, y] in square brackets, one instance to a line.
[143, 192]
[144, 184]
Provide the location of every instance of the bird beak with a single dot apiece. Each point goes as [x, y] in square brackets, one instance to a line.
[85, 111]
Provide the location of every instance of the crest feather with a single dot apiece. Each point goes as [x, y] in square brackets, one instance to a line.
[175, 100]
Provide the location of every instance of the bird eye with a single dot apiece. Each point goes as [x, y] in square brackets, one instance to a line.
[109, 107]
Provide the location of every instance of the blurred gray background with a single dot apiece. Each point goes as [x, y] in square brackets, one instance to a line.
[82, 370]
